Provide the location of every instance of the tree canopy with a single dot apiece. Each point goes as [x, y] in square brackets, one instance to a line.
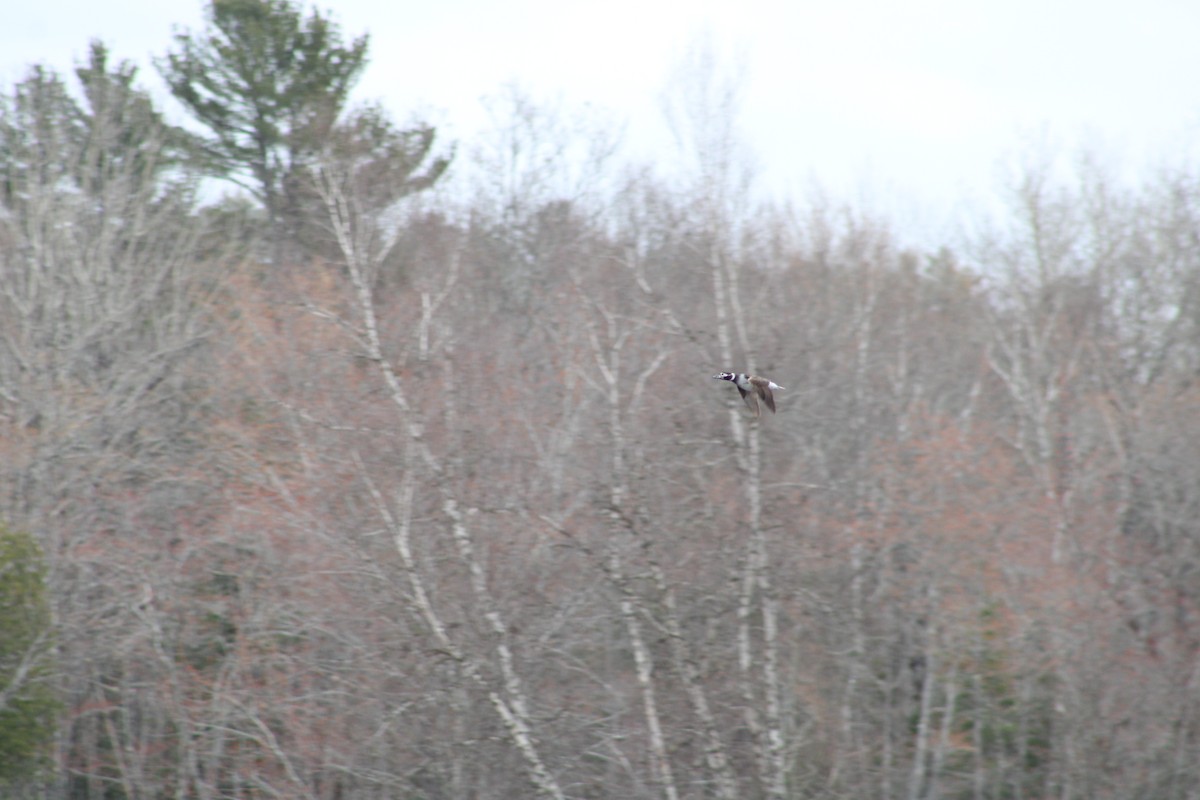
[109, 130]
[269, 85]
[456, 510]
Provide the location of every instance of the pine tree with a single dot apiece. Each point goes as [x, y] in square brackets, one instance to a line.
[269, 84]
[125, 133]
[28, 703]
[115, 138]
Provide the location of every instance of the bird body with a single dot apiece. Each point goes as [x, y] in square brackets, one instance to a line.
[752, 389]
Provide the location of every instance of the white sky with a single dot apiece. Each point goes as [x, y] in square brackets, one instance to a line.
[905, 106]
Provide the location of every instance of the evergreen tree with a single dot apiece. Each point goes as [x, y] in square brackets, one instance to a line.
[39, 118]
[269, 84]
[98, 189]
[114, 139]
[28, 703]
[125, 133]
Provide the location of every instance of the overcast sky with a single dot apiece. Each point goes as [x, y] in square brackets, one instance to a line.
[913, 104]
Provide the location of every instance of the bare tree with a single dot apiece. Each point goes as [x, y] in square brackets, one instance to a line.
[498, 677]
[105, 309]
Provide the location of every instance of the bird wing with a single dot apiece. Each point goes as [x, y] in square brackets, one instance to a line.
[765, 393]
[750, 398]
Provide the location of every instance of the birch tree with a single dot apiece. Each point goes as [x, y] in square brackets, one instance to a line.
[492, 671]
[702, 108]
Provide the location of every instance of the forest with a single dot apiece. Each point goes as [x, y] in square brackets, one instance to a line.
[337, 484]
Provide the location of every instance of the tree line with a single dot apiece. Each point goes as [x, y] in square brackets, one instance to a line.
[345, 486]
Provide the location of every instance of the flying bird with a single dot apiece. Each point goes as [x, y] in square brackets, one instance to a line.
[752, 388]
